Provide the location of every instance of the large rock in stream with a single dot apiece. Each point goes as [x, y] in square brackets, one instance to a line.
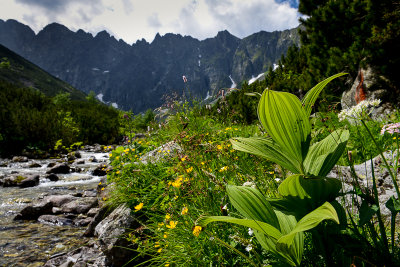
[35, 211]
[61, 168]
[20, 181]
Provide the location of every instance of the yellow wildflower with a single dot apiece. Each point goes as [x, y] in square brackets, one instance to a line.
[172, 224]
[117, 172]
[165, 235]
[225, 168]
[184, 158]
[159, 250]
[177, 183]
[184, 210]
[157, 244]
[102, 188]
[167, 264]
[139, 206]
[219, 147]
[167, 216]
[189, 170]
[197, 230]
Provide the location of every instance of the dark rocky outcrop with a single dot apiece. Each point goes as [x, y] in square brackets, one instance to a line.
[373, 86]
[112, 232]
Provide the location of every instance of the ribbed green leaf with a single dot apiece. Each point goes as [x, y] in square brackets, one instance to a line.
[267, 148]
[311, 220]
[295, 250]
[285, 120]
[262, 227]
[312, 95]
[309, 193]
[252, 204]
[323, 155]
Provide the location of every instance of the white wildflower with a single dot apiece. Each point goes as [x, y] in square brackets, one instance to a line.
[248, 248]
[360, 111]
[249, 184]
[251, 232]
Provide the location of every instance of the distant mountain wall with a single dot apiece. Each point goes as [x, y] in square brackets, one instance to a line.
[137, 76]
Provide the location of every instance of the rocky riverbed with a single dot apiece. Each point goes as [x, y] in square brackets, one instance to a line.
[46, 205]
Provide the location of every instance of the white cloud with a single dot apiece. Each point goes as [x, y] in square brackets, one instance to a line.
[136, 19]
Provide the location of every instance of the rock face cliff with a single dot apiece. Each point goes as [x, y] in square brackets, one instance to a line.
[137, 76]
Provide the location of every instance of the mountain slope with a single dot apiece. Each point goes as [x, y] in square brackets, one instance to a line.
[137, 76]
[20, 72]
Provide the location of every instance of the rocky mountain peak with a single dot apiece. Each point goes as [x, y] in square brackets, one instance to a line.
[137, 76]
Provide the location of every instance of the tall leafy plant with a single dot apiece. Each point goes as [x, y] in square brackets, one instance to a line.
[307, 196]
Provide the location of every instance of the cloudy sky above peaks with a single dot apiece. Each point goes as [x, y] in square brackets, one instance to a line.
[132, 20]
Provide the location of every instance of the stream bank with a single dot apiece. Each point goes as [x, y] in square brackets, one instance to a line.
[29, 236]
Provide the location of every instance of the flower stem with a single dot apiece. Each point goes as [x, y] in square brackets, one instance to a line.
[384, 160]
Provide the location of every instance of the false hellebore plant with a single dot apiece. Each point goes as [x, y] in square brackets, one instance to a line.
[307, 196]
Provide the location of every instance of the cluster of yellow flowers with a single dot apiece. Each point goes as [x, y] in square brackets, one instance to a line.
[179, 181]
[196, 230]
[189, 170]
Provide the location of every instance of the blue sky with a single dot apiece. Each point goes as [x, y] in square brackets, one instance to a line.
[132, 20]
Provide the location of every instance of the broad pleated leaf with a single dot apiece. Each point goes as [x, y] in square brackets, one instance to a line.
[262, 227]
[323, 155]
[295, 250]
[311, 220]
[285, 120]
[267, 148]
[309, 192]
[312, 95]
[252, 204]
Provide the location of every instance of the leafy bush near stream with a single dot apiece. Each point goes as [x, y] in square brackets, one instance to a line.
[168, 196]
[30, 120]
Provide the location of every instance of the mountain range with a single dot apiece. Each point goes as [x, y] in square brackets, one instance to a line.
[136, 77]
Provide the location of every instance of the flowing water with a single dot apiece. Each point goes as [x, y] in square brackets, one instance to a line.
[29, 243]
